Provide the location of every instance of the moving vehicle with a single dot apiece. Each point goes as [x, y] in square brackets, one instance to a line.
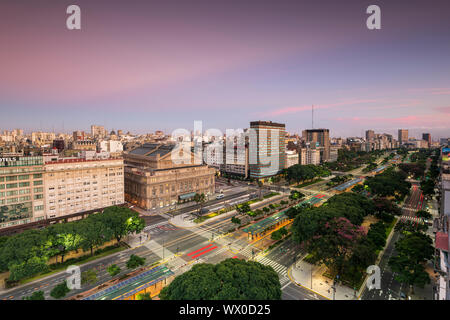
[220, 196]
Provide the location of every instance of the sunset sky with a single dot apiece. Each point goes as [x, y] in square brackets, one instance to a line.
[142, 66]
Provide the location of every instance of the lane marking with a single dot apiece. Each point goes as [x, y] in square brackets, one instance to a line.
[191, 253]
[202, 253]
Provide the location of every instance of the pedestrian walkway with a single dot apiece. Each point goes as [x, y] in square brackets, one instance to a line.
[280, 269]
[311, 277]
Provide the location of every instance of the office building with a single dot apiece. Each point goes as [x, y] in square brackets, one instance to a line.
[319, 138]
[427, 137]
[266, 149]
[402, 136]
[370, 135]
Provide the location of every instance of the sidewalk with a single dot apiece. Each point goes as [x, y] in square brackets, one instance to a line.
[305, 274]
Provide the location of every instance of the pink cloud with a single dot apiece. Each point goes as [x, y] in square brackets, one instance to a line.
[288, 110]
[428, 120]
[443, 109]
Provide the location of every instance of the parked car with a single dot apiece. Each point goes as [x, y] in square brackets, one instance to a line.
[220, 196]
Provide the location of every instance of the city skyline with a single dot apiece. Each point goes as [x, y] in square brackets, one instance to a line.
[150, 66]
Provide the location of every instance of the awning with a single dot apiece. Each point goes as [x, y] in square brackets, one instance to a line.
[187, 196]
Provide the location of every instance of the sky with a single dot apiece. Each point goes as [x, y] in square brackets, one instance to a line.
[142, 66]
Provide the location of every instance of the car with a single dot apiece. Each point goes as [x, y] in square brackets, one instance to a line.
[220, 196]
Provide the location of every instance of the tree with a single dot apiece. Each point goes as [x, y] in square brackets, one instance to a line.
[120, 221]
[113, 270]
[424, 214]
[64, 237]
[377, 235]
[19, 249]
[60, 290]
[335, 243]
[135, 261]
[143, 296]
[243, 208]
[200, 199]
[231, 279]
[93, 234]
[37, 295]
[235, 220]
[279, 234]
[413, 250]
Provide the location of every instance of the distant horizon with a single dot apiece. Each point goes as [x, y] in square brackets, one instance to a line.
[160, 65]
[415, 133]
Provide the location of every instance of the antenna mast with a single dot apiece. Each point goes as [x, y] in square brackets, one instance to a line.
[312, 117]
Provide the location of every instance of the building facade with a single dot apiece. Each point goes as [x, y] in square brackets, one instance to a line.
[402, 136]
[21, 190]
[153, 180]
[37, 188]
[319, 138]
[266, 149]
[78, 185]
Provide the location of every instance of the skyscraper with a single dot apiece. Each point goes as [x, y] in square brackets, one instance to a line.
[267, 155]
[427, 137]
[370, 135]
[402, 135]
[319, 138]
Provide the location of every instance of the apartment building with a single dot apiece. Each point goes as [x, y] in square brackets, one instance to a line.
[320, 139]
[74, 185]
[37, 188]
[267, 149]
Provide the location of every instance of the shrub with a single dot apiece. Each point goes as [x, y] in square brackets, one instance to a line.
[60, 290]
[113, 270]
[135, 261]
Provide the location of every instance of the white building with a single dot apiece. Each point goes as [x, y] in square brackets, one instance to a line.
[75, 185]
[111, 146]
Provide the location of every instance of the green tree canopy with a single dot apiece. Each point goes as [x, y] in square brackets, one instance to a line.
[231, 279]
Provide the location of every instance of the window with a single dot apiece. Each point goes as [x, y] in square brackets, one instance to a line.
[38, 196]
[11, 185]
[37, 175]
[24, 184]
[37, 183]
[11, 178]
[38, 208]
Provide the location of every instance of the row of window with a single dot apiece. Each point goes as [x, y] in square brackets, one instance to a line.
[20, 184]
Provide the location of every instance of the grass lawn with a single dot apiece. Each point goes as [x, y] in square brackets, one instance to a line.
[81, 260]
[389, 228]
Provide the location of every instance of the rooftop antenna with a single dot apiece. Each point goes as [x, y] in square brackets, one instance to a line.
[312, 117]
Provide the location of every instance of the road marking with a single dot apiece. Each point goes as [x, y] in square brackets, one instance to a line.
[202, 253]
[191, 253]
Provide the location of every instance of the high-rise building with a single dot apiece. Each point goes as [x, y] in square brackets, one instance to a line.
[319, 138]
[98, 131]
[267, 155]
[427, 137]
[402, 135]
[370, 135]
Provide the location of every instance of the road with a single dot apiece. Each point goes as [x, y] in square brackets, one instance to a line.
[165, 241]
[390, 288]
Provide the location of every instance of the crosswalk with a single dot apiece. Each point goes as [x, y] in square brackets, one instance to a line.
[280, 269]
